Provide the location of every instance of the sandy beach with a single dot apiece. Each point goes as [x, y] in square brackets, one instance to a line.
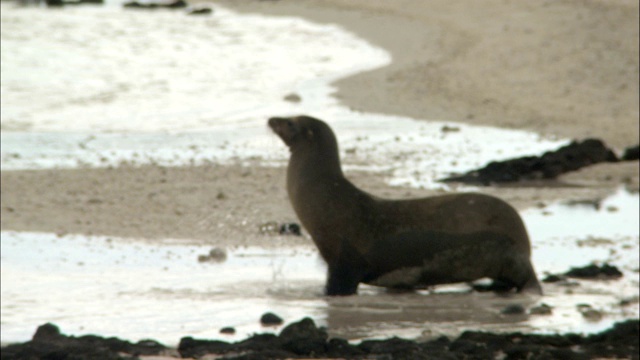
[566, 68]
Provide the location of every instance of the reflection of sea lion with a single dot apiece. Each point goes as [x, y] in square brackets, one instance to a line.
[397, 243]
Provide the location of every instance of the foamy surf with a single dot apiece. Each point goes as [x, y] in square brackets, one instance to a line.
[109, 86]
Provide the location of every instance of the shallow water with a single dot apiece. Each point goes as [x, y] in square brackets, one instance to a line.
[124, 287]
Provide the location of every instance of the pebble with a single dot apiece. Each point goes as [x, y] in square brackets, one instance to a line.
[270, 319]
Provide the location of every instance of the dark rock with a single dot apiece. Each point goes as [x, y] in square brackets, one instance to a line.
[273, 228]
[290, 228]
[621, 341]
[448, 129]
[304, 338]
[270, 319]
[175, 4]
[49, 343]
[542, 309]
[548, 166]
[257, 346]
[194, 348]
[337, 347]
[138, 5]
[594, 272]
[631, 153]
[260, 342]
[47, 333]
[396, 347]
[59, 3]
[552, 278]
[227, 330]
[438, 349]
[216, 255]
[589, 313]
[513, 309]
[200, 11]
[470, 348]
[293, 97]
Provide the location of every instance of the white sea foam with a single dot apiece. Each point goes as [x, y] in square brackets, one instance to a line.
[100, 85]
[105, 69]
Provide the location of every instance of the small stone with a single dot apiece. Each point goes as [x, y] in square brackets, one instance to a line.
[594, 271]
[200, 11]
[216, 255]
[629, 301]
[304, 338]
[542, 309]
[514, 309]
[552, 278]
[290, 229]
[293, 97]
[448, 129]
[270, 319]
[47, 332]
[227, 330]
[589, 312]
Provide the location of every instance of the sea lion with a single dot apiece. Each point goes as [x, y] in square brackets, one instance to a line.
[397, 243]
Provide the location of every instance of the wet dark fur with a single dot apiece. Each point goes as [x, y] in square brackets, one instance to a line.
[397, 243]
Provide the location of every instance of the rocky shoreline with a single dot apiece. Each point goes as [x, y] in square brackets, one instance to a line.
[303, 339]
[550, 165]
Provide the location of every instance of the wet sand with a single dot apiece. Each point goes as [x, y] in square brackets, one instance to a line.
[222, 205]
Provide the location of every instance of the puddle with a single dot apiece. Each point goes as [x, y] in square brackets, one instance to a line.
[607, 232]
[124, 287]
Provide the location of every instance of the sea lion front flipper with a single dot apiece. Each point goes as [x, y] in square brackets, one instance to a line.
[343, 279]
[345, 272]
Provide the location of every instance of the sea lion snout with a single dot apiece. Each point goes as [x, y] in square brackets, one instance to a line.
[285, 128]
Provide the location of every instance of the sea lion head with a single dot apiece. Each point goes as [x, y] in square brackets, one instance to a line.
[303, 132]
